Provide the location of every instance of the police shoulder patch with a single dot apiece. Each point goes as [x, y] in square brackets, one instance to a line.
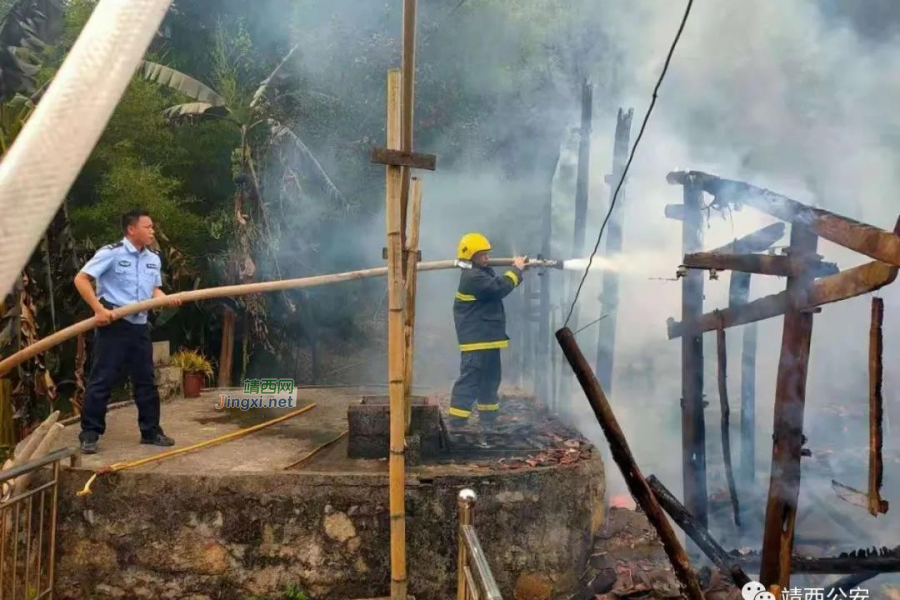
[156, 252]
[112, 246]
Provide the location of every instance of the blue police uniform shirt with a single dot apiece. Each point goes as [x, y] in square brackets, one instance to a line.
[125, 276]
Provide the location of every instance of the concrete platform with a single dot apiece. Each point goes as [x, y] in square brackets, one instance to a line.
[194, 420]
[232, 521]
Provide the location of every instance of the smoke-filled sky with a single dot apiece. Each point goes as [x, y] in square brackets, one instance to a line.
[796, 96]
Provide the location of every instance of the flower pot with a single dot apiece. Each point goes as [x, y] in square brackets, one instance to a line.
[193, 384]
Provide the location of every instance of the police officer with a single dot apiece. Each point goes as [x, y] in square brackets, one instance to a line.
[480, 329]
[126, 272]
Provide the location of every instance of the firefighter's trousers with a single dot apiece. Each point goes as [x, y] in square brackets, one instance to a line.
[479, 380]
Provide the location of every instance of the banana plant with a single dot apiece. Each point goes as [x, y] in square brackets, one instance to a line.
[255, 118]
[27, 30]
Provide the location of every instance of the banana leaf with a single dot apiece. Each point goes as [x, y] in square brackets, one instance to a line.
[195, 109]
[282, 134]
[25, 31]
[177, 80]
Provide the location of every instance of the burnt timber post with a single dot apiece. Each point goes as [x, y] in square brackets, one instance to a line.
[609, 298]
[790, 398]
[693, 426]
[542, 377]
[581, 203]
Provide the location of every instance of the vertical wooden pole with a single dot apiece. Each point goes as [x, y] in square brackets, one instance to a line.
[722, 354]
[226, 352]
[876, 412]
[693, 426]
[739, 294]
[609, 299]
[527, 342]
[790, 398]
[408, 64]
[582, 185]
[542, 374]
[411, 285]
[397, 390]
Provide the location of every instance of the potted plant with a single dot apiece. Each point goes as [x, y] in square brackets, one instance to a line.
[195, 369]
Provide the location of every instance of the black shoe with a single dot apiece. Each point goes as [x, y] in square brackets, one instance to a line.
[89, 446]
[158, 439]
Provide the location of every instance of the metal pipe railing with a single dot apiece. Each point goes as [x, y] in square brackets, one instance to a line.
[28, 553]
[474, 580]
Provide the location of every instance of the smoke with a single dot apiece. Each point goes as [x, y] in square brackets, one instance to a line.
[797, 97]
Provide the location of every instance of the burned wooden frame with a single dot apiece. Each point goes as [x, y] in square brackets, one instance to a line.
[811, 283]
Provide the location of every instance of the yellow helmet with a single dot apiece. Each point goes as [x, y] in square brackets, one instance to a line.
[471, 244]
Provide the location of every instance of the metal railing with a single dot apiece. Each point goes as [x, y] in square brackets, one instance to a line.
[474, 578]
[28, 530]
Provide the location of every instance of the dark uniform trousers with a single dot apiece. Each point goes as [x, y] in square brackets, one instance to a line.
[117, 345]
[480, 373]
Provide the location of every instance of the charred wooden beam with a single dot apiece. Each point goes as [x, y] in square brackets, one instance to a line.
[716, 553]
[850, 495]
[866, 239]
[758, 241]
[876, 409]
[631, 472]
[882, 560]
[834, 288]
[609, 299]
[790, 399]
[762, 264]
[726, 411]
[693, 426]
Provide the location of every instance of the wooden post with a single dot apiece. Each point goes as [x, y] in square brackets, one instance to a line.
[790, 398]
[876, 409]
[542, 376]
[582, 185]
[412, 252]
[693, 426]
[609, 298]
[226, 352]
[738, 294]
[408, 64]
[397, 468]
[527, 334]
[722, 353]
[625, 460]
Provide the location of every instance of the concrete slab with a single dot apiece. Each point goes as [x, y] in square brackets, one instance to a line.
[193, 420]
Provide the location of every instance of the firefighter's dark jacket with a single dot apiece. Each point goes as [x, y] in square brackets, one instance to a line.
[478, 308]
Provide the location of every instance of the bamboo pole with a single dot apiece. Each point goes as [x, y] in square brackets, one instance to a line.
[395, 345]
[411, 285]
[225, 291]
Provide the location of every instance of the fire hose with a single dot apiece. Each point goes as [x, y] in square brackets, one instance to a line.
[55, 142]
[88, 324]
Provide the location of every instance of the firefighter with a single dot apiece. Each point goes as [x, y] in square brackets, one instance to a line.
[480, 329]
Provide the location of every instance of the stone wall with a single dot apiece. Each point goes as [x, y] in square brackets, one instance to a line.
[229, 537]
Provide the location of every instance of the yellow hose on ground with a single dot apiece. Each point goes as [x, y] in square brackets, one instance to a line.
[86, 491]
[317, 450]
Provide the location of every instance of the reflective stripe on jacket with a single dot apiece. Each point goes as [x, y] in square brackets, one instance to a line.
[478, 308]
